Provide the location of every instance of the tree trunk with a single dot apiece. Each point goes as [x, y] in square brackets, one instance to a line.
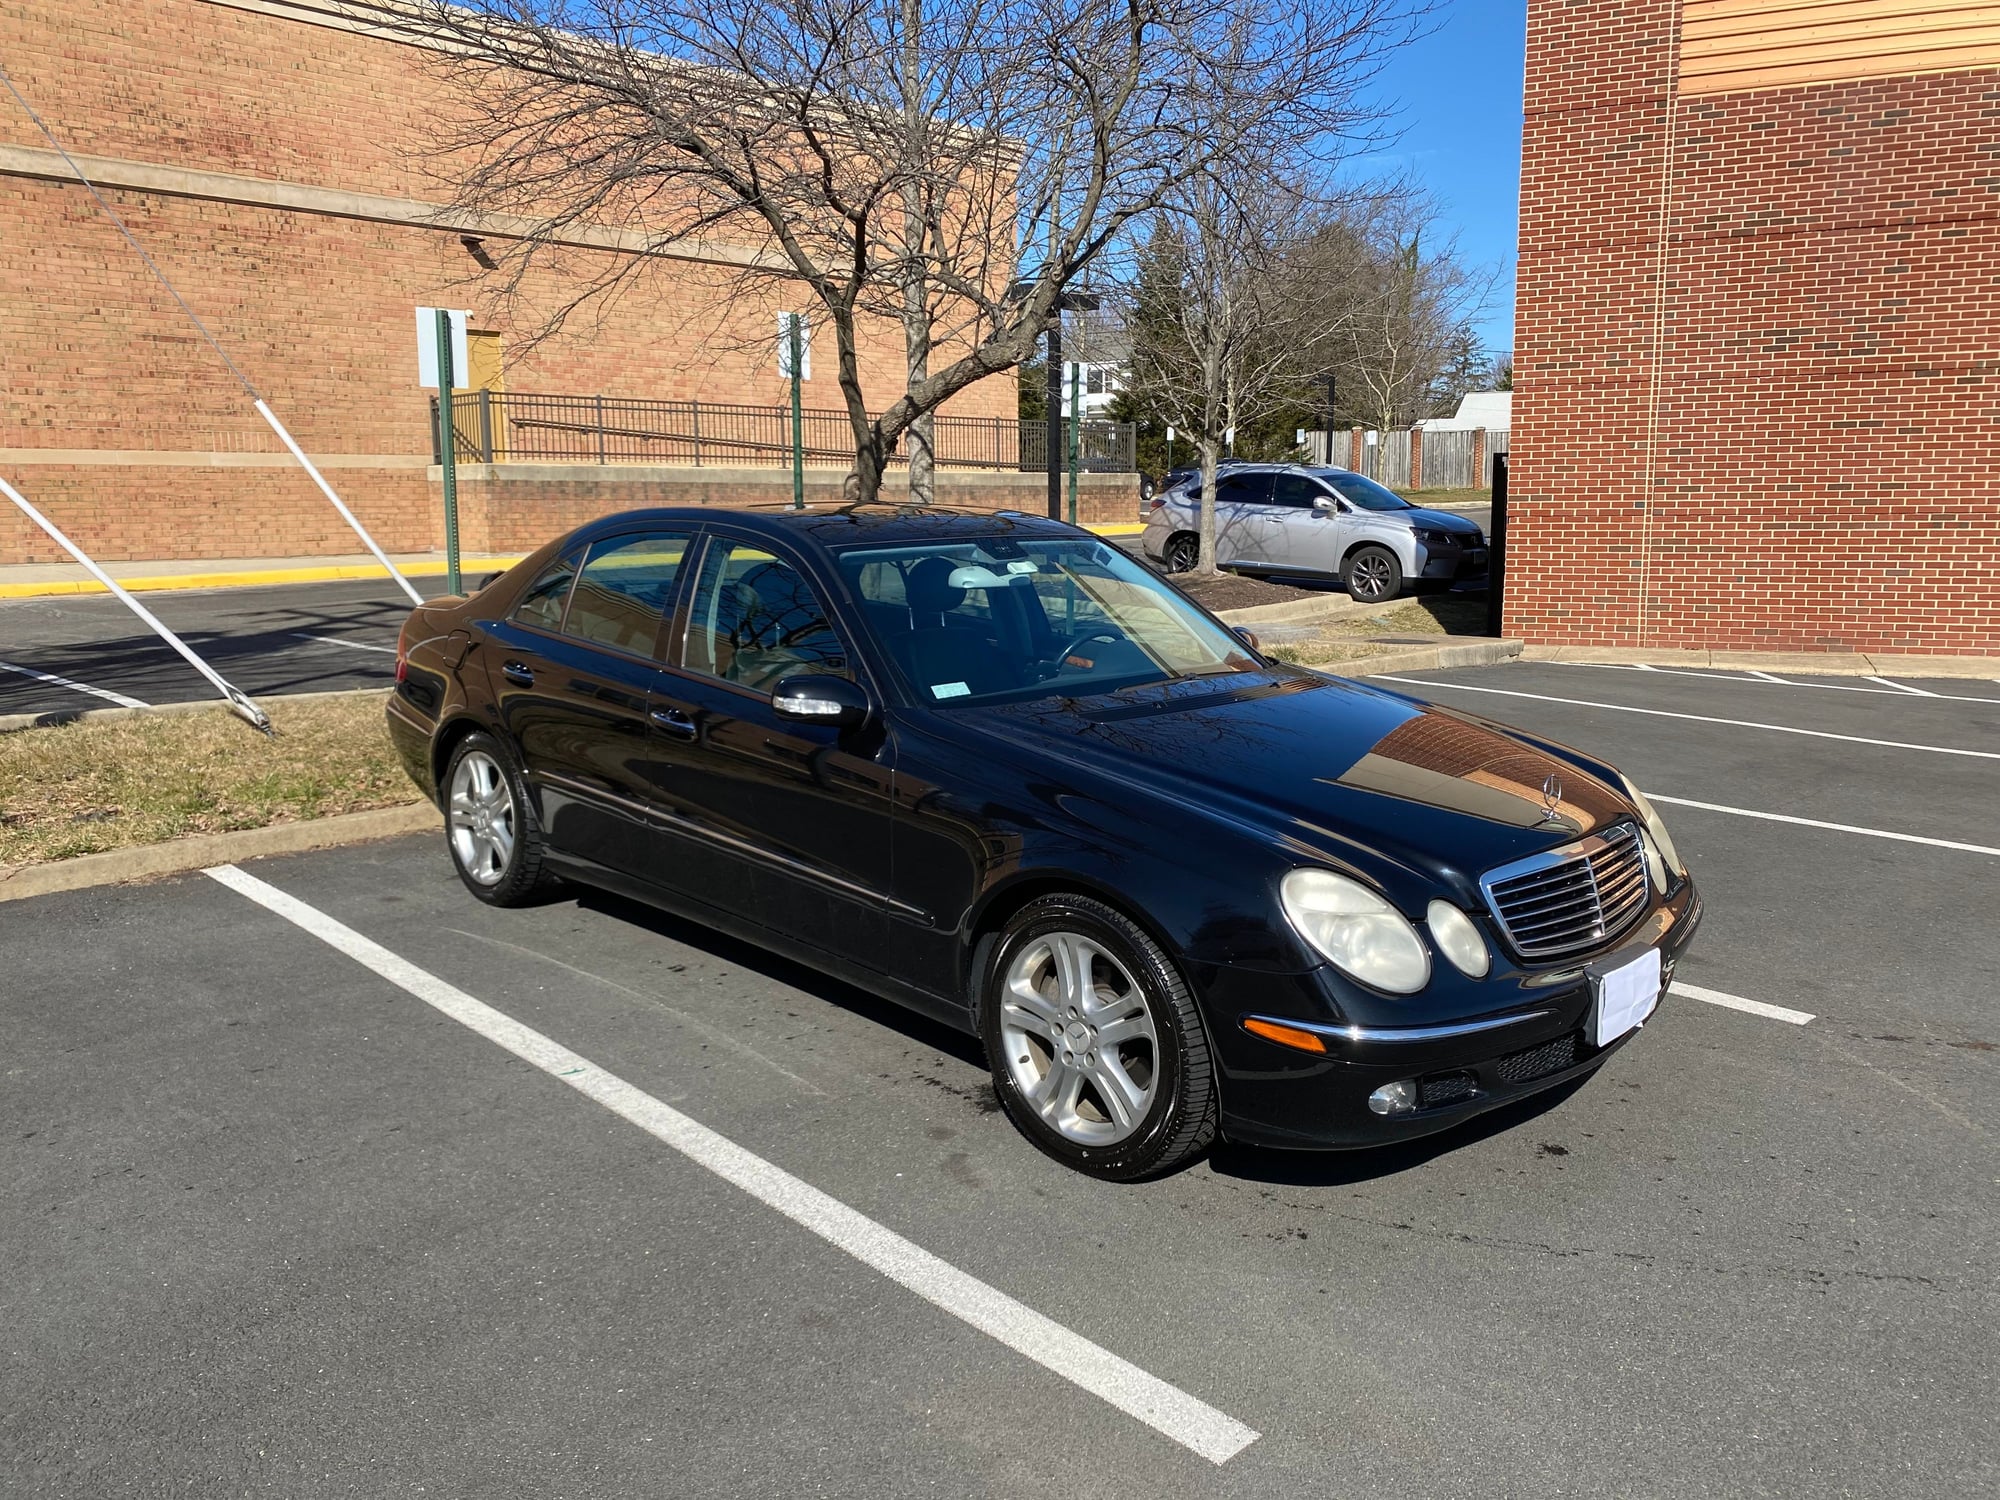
[1210, 461]
[916, 291]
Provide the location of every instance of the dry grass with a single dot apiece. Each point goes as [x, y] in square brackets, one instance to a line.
[88, 787]
[1351, 639]
[1448, 497]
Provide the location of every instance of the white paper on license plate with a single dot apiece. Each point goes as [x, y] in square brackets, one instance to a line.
[1626, 995]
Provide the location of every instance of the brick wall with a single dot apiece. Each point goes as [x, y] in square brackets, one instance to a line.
[119, 422]
[1757, 353]
[517, 507]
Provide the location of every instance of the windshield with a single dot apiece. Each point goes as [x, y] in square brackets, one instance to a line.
[1360, 490]
[995, 619]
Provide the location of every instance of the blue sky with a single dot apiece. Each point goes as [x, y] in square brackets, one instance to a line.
[1458, 122]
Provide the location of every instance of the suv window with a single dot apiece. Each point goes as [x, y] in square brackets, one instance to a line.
[1244, 489]
[543, 603]
[624, 590]
[756, 619]
[1296, 491]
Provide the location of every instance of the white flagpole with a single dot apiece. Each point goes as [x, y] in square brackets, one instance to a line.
[236, 699]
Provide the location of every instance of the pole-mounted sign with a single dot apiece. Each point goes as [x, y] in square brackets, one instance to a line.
[441, 359]
[795, 363]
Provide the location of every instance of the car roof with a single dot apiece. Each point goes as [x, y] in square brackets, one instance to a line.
[882, 524]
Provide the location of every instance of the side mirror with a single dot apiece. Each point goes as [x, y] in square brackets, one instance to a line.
[1248, 636]
[1325, 505]
[816, 698]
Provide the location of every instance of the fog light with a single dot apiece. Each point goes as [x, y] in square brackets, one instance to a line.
[1397, 1098]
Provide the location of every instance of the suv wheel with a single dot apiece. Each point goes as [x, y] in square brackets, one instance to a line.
[1183, 554]
[1372, 574]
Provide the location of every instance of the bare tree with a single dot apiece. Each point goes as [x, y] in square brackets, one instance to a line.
[889, 157]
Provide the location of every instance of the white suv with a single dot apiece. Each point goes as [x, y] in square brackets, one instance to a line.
[1281, 519]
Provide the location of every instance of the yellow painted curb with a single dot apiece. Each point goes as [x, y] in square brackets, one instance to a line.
[250, 578]
[1117, 528]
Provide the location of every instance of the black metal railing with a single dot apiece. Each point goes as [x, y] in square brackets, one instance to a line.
[511, 427]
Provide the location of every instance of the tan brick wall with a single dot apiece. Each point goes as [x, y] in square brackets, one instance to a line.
[315, 308]
[515, 508]
[1809, 461]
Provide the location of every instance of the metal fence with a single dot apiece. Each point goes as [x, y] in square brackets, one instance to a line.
[510, 427]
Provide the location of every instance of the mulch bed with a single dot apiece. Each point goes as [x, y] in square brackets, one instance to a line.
[1234, 591]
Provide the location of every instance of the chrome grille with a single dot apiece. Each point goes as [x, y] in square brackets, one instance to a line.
[1570, 899]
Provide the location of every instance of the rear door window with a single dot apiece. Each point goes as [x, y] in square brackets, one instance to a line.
[624, 590]
[1244, 489]
[542, 605]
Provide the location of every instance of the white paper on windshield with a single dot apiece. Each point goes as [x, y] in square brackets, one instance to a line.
[1625, 996]
[950, 690]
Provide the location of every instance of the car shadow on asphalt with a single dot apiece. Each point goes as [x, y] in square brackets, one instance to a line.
[803, 977]
[1344, 1168]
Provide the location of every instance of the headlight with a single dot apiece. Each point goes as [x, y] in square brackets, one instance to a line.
[1357, 931]
[1657, 827]
[1458, 939]
[1436, 538]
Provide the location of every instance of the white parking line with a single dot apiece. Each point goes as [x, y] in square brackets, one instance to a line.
[1749, 678]
[1873, 833]
[1737, 1002]
[1191, 1422]
[1661, 713]
[334, 640]
[82, 687]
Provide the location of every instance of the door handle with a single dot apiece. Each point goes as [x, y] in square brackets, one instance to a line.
[674, 722]
[518, 672]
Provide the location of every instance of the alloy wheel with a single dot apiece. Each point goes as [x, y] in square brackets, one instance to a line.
[1080, 1040]
[481, 810]
[1183, 553]
[1370, 577]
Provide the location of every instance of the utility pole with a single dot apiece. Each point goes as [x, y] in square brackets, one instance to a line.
[1055, 413]
[447, 448]
[798, 417]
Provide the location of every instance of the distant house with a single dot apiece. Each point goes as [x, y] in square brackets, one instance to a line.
[1492, 410]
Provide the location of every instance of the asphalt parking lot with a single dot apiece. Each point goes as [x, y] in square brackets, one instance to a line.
[285, 1220]
[76, 652]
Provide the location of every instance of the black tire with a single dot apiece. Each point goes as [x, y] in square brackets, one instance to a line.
[1180, 1117]
[1183, 552]
[1372, 574]
[520, 877]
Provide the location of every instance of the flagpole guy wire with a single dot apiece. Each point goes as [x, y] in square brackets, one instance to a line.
[237, 699]
[263, 408]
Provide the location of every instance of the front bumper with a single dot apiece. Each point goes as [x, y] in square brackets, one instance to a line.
[1274, 1095]
[1452, 564]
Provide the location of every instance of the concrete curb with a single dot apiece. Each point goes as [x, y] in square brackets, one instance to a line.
[177, 856]
[1306, 611]
[1805, 663]
[56, 718]
[1474, 652]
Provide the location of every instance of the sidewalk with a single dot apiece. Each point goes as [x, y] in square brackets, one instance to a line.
[1808, 663]
[44, 580]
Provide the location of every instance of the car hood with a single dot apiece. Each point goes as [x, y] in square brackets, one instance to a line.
[1439, 520]
[1332, 767]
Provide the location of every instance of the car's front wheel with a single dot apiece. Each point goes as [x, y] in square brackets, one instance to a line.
[1372, 574]
[1098, 1052]
[490, 824]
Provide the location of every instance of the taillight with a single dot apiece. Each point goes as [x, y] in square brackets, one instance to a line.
[403, 651]
[1159, 501]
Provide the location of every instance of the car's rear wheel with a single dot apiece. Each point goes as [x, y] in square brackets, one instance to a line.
[1372, 574]
[1098, 1052]
[1183, 552]
[490, 825]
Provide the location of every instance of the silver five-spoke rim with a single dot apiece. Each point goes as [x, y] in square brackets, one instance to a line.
[1080, 1041]
[482, 818]
[1371, 577]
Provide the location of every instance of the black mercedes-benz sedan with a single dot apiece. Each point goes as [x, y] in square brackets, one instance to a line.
[992, 768]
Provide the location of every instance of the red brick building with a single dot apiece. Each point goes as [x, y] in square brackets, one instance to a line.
[271, 155]
[1757, 357]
